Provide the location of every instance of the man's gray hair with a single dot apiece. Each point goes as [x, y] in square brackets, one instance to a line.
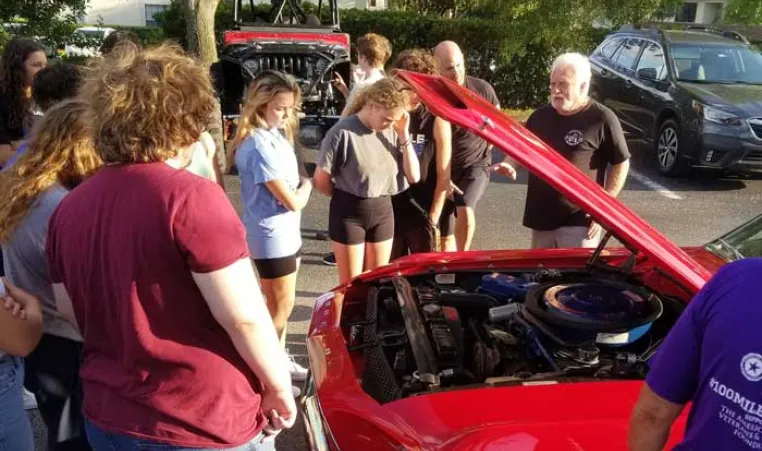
[577, 61]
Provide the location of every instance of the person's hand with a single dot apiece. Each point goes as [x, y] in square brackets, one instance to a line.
[20, 303]
[280, 409]
[594, 231]
[505, 169]
[401, 126]
[340, 84]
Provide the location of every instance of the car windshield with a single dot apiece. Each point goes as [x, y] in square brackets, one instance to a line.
[717, 63]
[93, 34]
[743, 242]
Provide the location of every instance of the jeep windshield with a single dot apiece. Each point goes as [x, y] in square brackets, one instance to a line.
[717, 63]
[743, 242]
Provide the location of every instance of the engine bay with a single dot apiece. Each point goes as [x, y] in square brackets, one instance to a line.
[439, 332]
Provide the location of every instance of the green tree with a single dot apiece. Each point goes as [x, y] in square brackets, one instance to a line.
[50, 21]
[746, 12]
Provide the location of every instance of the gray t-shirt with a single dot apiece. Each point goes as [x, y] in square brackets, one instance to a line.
[26, 264]
[362, 162]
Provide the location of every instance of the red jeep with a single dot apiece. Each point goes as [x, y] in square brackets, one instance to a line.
[292, 41]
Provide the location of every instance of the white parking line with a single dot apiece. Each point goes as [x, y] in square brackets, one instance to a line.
[658, 187]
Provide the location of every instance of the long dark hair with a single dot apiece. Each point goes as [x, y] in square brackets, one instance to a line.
[13, 79]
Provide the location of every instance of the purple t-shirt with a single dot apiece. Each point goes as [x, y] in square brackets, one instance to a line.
[713, 357]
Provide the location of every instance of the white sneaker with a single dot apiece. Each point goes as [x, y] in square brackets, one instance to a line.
[30, 402]
[298, 372]
[296, 391]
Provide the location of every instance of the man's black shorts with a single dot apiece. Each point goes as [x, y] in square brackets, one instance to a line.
[473, 182]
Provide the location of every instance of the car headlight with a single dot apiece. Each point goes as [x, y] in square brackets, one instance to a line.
[716, 115]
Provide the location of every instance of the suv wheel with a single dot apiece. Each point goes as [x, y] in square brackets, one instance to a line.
[668, 155]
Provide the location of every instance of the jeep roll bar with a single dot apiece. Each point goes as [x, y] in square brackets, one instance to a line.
[298, 15]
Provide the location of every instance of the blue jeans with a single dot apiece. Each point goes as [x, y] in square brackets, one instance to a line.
[102, 440]
[15, 429]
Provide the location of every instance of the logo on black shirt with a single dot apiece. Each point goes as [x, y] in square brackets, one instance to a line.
[751, 367]
[573, 138]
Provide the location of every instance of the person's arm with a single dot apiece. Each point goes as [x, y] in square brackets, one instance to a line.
[329, 162]
[236, 303]
[410, 165]
[292, 201]
[443, 149]
[323, 182]
[619, 154]
[651, 421]
[617, 178]
[20, 321]
[674, 374]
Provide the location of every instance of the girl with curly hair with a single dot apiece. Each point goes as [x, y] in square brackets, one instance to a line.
[417, 211]
[21, 61]
[366, 158]
[151, 261]
[60, 156]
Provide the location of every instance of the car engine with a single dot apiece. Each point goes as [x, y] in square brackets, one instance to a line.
[439, 332]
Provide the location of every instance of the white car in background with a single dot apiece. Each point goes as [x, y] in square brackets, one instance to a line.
[95, 34]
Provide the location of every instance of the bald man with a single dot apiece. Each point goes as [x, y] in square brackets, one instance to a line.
[471, 155]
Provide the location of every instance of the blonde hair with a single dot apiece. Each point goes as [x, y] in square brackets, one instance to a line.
[375, 48]
[147, 105]
[60, 151]
[260, 92]
[388, 92]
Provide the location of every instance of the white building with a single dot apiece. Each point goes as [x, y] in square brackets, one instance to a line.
[701, 11]
[124, 12]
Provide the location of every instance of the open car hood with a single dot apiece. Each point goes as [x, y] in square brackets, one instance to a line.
[460, 106]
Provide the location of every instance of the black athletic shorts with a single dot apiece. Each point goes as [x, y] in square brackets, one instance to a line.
[272, 268]
[473, 182]
[356, 220]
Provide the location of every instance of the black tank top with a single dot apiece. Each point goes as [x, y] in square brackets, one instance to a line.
[419, 197]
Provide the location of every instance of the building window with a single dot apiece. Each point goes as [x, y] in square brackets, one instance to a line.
[151, 11]
[687, 13]
[372, 3]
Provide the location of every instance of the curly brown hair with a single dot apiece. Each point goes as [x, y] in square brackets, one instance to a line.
[60, 151]
[388, 92]
[148, 104]
[375, 48]
[13, 79]
[416, 60]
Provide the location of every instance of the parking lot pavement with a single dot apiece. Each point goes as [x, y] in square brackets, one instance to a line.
[690, 211]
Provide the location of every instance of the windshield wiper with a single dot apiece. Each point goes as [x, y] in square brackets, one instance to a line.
[726, 247]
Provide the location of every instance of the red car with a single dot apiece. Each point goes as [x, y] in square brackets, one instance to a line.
[501, 350]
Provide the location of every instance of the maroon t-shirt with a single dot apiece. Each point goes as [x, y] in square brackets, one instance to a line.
[156, 363]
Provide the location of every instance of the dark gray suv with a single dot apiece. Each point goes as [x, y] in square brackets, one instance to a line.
[695, 94]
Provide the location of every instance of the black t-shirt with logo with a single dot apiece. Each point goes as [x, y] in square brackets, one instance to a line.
[591, 140]
[469, 149]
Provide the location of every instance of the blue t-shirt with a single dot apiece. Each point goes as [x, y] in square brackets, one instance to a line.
[272, 231]
[713, 357]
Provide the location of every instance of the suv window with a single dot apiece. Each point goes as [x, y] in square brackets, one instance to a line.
[626, 55]
[609, 47]
[653, 58]
[717, 63]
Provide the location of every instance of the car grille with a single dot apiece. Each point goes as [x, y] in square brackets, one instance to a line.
[300, 66]
[756, 126]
